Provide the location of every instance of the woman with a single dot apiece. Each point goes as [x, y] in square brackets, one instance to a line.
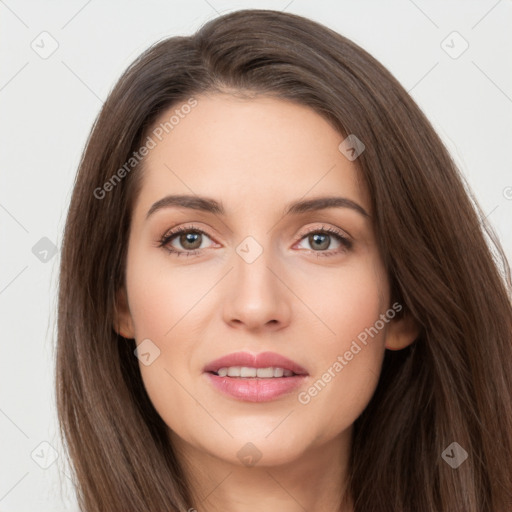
[260, 212]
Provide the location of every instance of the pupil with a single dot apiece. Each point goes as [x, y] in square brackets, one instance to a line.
[190, 238]
[323, 244]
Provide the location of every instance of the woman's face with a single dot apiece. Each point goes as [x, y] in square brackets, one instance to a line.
[295, 303]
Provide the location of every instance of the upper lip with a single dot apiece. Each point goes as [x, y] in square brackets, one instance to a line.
[261, 360]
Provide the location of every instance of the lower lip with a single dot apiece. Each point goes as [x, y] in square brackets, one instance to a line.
[256, 389]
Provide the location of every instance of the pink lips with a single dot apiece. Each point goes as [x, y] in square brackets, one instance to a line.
[255, 389]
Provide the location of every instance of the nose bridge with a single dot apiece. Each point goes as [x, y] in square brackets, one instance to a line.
[258, 298]
[252, 274]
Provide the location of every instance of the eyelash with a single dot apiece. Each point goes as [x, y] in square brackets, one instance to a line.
[170, 235]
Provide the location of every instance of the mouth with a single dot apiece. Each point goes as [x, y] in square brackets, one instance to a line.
[247, 372]
[255, 377]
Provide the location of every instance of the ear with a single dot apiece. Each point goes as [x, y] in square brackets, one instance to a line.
[401, 332]
[123, 323]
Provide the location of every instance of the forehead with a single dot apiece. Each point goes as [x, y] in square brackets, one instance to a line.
[254, 152]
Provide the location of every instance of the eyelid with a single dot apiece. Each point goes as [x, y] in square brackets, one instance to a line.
[187, 227]
[328, 229]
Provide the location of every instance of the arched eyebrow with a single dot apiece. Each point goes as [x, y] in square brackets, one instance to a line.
[321, 203]
[192, 202]
[210, 205]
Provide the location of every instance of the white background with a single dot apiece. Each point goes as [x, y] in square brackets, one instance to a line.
[48, 107]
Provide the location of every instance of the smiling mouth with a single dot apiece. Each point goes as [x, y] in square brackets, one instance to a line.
[248, 372]
[259, 377]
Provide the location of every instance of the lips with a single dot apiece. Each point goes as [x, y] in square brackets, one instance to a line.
[255, 377]
[262, 360]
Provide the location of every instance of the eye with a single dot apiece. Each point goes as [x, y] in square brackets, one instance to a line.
[189, 238]
[321, 239]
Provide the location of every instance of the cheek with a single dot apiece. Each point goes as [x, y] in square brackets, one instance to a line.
[349, 361]
[340, 303]
[166, 308]
[160, 296]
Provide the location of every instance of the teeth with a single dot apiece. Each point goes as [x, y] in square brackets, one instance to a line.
[265, 373]
[245, 371]
[234, 371]
[278, 372]
[248, 372]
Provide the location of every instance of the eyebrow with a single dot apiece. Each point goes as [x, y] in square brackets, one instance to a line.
[207, 204]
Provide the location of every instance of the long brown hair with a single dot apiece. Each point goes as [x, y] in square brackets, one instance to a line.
[453, 384]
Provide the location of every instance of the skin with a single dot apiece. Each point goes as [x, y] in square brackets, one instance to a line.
[255, 155]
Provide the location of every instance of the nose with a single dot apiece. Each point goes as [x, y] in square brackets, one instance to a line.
[257, 298]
